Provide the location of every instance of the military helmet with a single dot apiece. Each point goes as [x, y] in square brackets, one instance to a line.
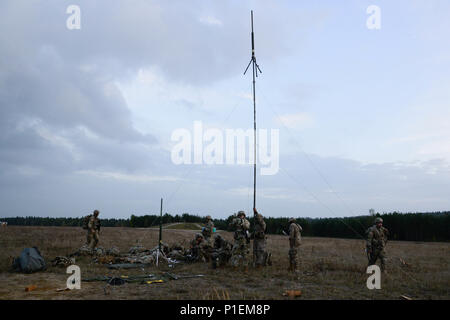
[208, 217]
[96, 212]
[291, 220]
[198, 235]
[241, 213]
[378, 220]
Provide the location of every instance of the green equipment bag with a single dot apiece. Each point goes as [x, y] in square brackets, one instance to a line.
[29, 261]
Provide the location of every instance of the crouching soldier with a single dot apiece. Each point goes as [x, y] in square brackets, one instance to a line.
[198, 250]
[241, 250]
[294, 243]
[221, 253]
[377, 237]
[93, 229]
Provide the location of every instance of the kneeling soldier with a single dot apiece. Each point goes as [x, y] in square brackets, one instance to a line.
[221, 252]
[198, 250]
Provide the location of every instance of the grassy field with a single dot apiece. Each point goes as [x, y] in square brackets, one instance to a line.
[330, 269]
[185, 226]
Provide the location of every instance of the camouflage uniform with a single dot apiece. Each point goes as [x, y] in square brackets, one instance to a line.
[259, 241]
[294, 243]
[198, 251]
[208, 231]
[377, 237]
[93, 230]
[221, 252]
[241, 248]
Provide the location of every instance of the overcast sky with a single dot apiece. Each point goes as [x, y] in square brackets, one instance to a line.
[86, 115]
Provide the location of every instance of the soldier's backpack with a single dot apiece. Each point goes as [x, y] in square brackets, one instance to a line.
[30, 260]
[298, 239]
[368, 231]
[86, 221]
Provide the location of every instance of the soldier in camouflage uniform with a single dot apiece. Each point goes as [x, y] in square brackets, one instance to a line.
[93, 229]
[198, 250]
[208, 231]
[377, 237]
[221, 252]
[241, 244]
[294, 243]
[260, 256]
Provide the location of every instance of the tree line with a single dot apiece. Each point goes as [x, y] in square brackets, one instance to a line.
[433, 226]
[61, 222]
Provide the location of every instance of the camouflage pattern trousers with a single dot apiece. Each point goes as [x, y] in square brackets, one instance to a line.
[209, 241]
[378, 254]
[293, 257]
[92, 236]
[240, 253]
[259, 252]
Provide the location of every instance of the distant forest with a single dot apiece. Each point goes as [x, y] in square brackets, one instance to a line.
[433, 226]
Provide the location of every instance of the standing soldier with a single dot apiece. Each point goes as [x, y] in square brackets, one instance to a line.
[294, 243]
[208, 231]
[241, 249]
[377, 237]
[259, 241]
[93, 228]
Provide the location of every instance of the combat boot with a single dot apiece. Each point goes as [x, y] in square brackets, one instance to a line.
[383, 267]
[269, 259]
[290, 267]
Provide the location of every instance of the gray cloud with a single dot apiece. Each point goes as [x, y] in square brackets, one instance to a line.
[63, 80]
[175, 36]
[297, 190]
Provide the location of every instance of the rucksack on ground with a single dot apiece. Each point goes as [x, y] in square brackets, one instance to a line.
[29, 261]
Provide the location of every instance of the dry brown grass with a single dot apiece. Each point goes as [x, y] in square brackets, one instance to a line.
[330, 269]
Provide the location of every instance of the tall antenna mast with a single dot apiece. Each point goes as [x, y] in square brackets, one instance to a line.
[255, 69]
